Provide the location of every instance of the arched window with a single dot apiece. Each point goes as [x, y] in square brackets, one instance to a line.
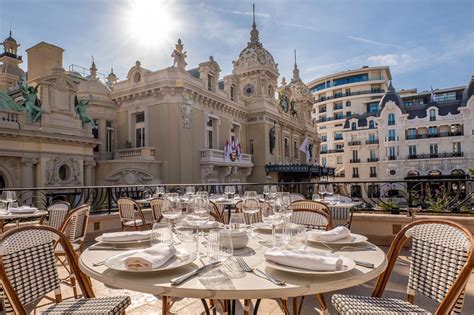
[432, 114]
[354, 126]
[391, 119]
[348, 104]
[372, 124]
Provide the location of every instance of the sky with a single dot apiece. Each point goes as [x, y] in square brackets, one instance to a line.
[426, 43]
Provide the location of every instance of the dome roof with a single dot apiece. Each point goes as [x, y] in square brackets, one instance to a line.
[393, 96]
[10, 39]
[11, 69]
[254, 55]
[94, 89]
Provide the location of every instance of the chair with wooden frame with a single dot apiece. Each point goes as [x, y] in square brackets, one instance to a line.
[251, 218]
[57, 213]
[310, 204]
[156, 204]
[28, 272]
[312, 218]
[442, 259]
[128, 209]
[74, 228]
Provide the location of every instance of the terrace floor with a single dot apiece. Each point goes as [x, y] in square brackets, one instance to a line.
[149, 304]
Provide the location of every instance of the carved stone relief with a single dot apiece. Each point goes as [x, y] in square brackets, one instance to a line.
[186, 111]
[63, 170]
[130, 177]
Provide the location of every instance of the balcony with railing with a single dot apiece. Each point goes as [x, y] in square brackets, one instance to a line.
[355, 160]
[373, 174]
[143, 153]
[435, 155]
[434, 135]
[217, 157]
[374, 159]
[337, 117]
[339, 150]
[372, 141]
[392, 157]
[340, 95]
[355, 142]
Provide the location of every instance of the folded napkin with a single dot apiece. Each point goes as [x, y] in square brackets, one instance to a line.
[333, 235]
[26, 209]
[126, 236]
[150, 258]
[311, 260]
[202, 225]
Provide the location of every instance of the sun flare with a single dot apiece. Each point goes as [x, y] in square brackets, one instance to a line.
[151, 22]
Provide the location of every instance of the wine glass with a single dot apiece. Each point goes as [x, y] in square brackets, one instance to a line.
[220, 245]
[266, 190]
[251, 206]
[273, 189]
[187, 233]
[190, 190]
[3, 206]
[171, 207]
[286, 204]
[272, 213]
[159, 191]
[237, 221]
[329, 190]
[321, 190]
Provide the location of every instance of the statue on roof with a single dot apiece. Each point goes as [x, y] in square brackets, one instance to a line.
[31, 104]
[179, 56]
[7, 103]
[81, 107]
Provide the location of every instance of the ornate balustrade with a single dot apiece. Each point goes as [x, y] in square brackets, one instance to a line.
[143, 153]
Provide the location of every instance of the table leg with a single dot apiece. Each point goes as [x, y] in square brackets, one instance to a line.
[206, 308]
[164, 305]
[255, 309]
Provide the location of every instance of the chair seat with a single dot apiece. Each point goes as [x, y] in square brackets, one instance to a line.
[137, 222]
[60, 250]
[354, 305]
[97, 306]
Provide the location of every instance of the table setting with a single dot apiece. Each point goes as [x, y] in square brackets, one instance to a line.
[179, 259]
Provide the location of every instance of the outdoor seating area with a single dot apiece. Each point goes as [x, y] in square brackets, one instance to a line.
[194, 252]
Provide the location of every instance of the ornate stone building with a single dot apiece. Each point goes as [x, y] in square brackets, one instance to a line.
[173, 125]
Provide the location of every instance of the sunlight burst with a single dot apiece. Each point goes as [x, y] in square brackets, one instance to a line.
[152, 23]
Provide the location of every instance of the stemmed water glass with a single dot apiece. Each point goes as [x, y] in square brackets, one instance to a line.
[198, 212]
[220, 245]
[329, 190]
[251, 206]
[171, 208]
[266, 191]
[273, 213]
[322, 190]
[190, 191]
[229, 192]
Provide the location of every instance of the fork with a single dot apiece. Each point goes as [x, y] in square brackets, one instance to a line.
[245, 267]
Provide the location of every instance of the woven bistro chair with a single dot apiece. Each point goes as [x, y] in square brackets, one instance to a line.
[441, 263]
[311, 205]
[75, 229]
[312, 218]
[156, 204]
[57, 213]
[128, 210]
[215, 213]
[28, 272]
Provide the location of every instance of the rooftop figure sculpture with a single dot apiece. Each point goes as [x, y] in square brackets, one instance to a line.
[81, 107]
[179, 56]
[31, 104]
[7, 103]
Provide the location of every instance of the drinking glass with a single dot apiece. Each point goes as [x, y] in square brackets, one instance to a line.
[187, 233]
[321, 190]
[295, 235]
[286, 204]
[160, 191]
[329, 190]
[9, 195]
[171, 207]
[273, 189]
[3, 206]
[220, 245]
[12, 204]
[190, 190]
[251, 206]
[315, 197]
[237, 221]
[273, 213]
[162, 233]
[266, 190]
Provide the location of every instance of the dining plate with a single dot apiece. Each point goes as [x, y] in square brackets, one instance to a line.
[29, 210]
[99, 239]
[352, 239]
[182, 258]
[347, 265]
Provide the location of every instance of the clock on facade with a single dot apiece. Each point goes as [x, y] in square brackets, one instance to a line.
[249, 89]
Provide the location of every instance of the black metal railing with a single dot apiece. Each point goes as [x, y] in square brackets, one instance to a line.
[435, 193]
[355, 160]
[434, 135]
[372, 160]
[339, 95]
[435, 155]
[373, 141]
[353, 143]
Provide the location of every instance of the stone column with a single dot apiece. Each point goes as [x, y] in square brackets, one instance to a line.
[88, 166]
[27, 179]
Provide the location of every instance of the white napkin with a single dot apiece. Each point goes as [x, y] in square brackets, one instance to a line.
[203, 225]
[26, 209]
[126, 236]
[311, 260]
[150, 258]
[333, 235]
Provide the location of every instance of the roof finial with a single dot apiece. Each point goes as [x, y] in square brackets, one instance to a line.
[93, 69]
[254, 15]
[390, 87]
[295, 59]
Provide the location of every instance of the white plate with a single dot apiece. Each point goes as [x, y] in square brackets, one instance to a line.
[100, 240]
[353, 239]
[116, 262]
[347, 265]
[23, 210]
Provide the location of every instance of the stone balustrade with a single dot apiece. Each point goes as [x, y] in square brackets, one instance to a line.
[143, 153]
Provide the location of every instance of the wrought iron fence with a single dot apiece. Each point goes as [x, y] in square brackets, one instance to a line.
[430, 195]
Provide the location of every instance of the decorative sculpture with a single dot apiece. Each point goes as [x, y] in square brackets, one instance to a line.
[293, 108]
[186, 110]
[7, 103]
[283, 101]
[272, 137]
[179, 56]
[81, 107]
[32, 104]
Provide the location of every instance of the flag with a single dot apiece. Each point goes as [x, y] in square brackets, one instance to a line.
[305, 148]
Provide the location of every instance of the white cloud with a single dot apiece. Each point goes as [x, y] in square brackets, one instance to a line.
[390, 59]
[262, 14]
[369, 41]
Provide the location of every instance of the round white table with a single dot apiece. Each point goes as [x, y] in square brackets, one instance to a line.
[226, 283]
[8, 216]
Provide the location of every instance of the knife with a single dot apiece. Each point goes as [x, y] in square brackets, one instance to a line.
[193, 273]
[364, 264]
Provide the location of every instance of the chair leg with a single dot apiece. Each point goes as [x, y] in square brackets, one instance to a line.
[322, 302]
[247, 307]
[164, 305]
[73, 285]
